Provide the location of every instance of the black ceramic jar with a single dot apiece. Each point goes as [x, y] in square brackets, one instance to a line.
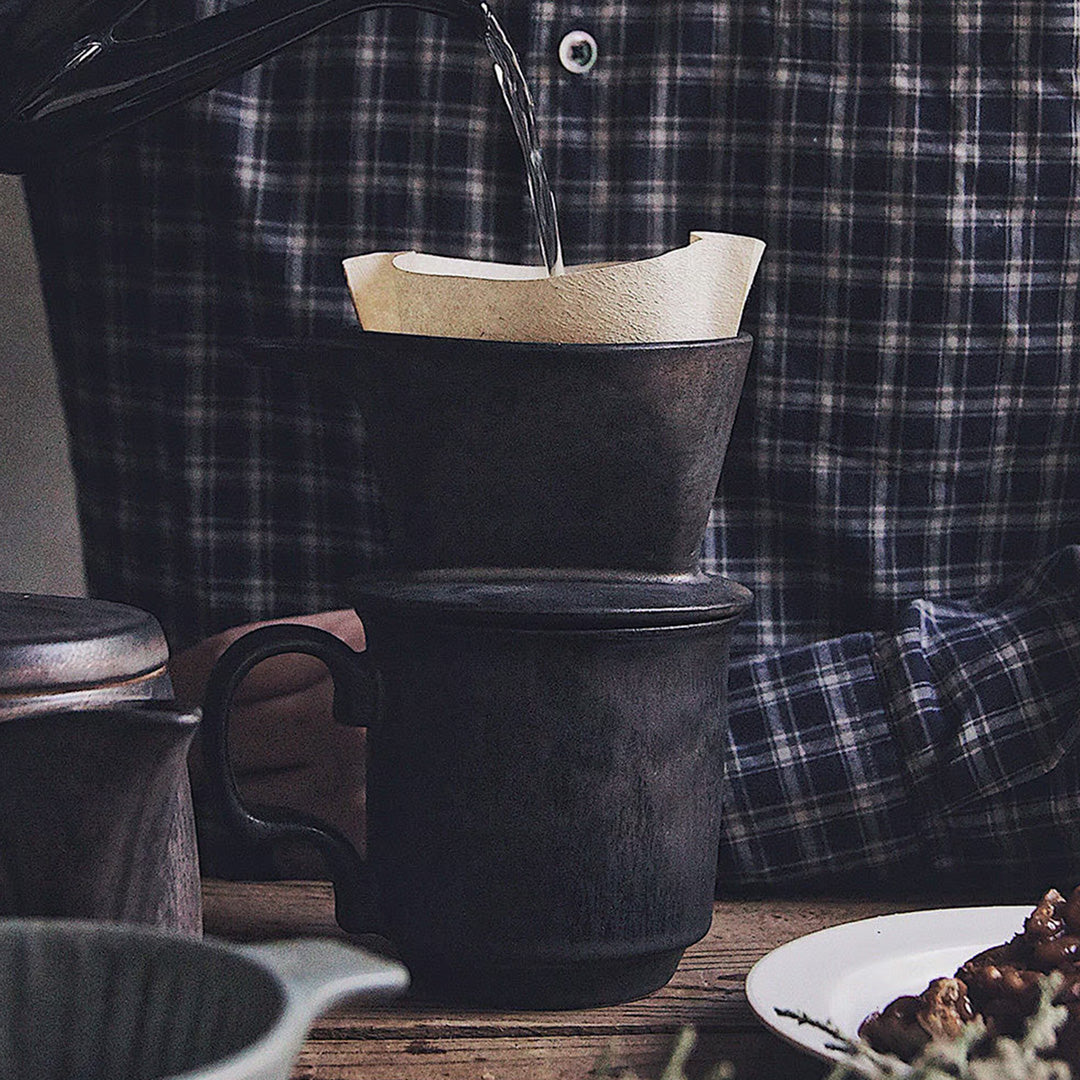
[544, 771]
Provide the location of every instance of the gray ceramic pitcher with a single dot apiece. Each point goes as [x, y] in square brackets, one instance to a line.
[95, 806]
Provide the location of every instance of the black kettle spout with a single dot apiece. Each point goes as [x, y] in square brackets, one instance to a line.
[69, 78]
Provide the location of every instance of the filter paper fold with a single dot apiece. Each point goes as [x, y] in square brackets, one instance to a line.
[692, 293]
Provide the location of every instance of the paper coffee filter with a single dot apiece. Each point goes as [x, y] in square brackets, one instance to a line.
[692, 293]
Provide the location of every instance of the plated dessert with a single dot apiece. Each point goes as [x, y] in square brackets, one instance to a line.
[999, 984]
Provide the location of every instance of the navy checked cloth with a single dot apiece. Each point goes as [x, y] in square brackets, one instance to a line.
[902, 492]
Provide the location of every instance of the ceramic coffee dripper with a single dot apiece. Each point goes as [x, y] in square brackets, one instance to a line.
[597, 458]
[566, 422]
[95, 806]
[543, 779]
[95, 1001]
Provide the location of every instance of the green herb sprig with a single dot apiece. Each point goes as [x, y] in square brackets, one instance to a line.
[675, 1069]
[964, 1058]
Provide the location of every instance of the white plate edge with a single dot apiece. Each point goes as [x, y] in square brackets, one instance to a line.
[1002, 921]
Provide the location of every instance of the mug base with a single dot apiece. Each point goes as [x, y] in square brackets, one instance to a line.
[575, 985]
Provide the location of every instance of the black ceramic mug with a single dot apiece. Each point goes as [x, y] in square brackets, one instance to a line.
[544, 767]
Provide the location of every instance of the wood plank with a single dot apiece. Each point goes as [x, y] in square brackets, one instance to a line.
[742, 930]
[724, 1010]
[706, 992]
[260, 910]
[754, 1056]
[411, 1040]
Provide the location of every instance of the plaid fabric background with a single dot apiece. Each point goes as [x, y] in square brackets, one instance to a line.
[909, 424]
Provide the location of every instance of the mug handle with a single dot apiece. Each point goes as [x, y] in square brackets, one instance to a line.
[354, 680]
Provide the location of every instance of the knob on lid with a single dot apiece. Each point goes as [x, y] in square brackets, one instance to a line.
[60, 642]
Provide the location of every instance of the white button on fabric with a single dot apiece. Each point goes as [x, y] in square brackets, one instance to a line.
[578, 52]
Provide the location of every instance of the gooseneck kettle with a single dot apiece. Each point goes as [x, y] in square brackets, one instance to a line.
[70, 77]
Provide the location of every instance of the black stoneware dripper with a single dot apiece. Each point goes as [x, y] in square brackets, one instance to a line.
[69, 76]
[582, 460]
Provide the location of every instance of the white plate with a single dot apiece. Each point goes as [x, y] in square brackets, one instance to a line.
[844, 973]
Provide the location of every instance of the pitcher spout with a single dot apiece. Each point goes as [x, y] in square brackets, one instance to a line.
[69, 78]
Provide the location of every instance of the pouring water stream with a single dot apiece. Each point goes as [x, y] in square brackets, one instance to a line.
[519, 101]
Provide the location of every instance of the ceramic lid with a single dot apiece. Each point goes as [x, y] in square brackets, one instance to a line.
[59, 642]
[562, 602]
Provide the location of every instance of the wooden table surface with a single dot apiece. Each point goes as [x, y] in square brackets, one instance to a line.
[405, 1040]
